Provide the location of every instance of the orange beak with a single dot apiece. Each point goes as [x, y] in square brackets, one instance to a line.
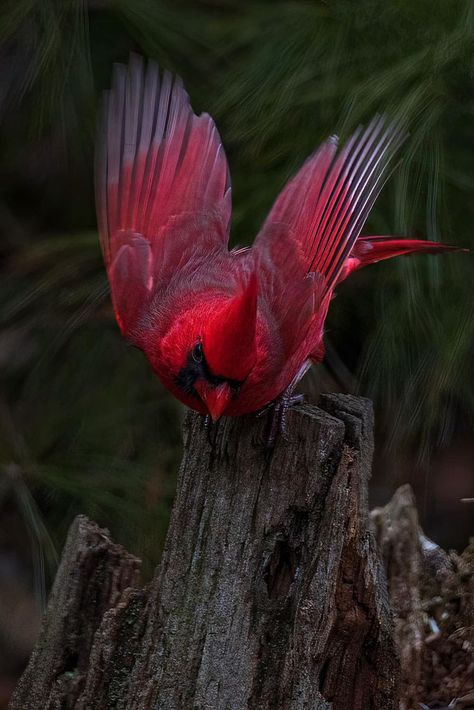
[216, 399]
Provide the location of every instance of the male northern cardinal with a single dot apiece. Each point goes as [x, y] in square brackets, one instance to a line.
[227, 332]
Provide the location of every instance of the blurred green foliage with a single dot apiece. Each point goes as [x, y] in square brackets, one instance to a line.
[85, 427]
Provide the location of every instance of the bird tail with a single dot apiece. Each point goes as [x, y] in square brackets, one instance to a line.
[369, 250]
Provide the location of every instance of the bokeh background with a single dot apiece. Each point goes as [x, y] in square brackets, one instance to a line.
[84, 425]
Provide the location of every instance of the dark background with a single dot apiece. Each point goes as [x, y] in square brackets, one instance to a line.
[84, 425]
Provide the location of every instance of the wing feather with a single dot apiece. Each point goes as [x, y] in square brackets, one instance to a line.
[326, 204]
[157, 165]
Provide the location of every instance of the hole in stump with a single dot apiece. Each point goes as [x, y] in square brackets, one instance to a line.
[280, 570]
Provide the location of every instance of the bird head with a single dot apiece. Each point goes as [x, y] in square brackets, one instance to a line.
[215, 346]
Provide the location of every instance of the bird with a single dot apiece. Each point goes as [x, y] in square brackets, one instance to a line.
[228, 331]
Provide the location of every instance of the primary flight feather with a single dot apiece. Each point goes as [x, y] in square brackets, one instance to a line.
[227, 332]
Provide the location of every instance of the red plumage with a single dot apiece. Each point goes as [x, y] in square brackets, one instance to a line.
[227, 331]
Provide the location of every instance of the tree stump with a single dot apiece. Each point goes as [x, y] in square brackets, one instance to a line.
[432, 596]
[270, 593]
[92, 576]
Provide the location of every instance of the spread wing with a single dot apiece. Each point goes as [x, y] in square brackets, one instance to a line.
[323, 208]
[313, 229]
[162, 186]
[314, 224]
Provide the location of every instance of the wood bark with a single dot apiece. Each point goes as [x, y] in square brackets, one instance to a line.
[270, 593]
[92, 575]
[432, 596]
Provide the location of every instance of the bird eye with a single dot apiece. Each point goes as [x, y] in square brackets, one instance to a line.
[197, 353]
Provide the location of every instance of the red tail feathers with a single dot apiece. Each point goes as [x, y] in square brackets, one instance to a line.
[368, 250]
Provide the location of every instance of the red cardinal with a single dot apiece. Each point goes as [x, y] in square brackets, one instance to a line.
[227, 332]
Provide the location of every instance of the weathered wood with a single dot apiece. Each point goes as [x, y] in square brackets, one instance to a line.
[270, 593]
[432, 596]
[398, 537]
[91, 578]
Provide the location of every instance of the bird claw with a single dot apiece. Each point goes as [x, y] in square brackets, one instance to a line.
[264, 410]
[277, 424]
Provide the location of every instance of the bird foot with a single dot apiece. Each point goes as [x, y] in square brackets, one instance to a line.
[277, 411]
